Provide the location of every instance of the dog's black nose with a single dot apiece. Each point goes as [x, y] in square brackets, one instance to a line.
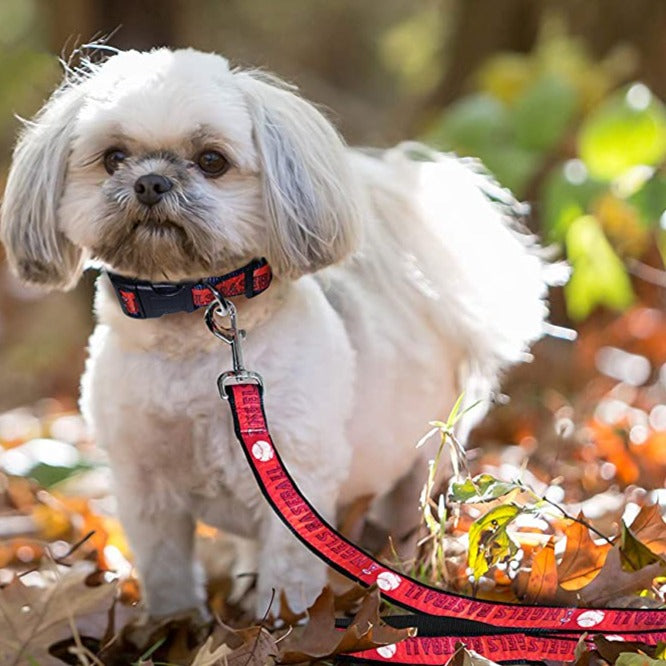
[150, 188]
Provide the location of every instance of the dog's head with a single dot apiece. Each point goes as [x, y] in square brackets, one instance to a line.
[169, 165]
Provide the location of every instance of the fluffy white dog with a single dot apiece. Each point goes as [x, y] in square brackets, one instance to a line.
[399, 280]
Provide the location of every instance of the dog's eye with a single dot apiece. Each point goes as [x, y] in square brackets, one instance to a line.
[113, 159]
[212, 163]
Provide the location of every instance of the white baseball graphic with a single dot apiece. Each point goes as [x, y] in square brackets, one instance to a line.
[262, 450]
[590, 618]
[388, 581]
[387, 651]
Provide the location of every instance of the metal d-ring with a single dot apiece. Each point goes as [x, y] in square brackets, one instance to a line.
[222, 307]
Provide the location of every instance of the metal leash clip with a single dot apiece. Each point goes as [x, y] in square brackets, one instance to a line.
[232, 335]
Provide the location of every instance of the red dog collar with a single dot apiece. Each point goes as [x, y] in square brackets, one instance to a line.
[141, 299]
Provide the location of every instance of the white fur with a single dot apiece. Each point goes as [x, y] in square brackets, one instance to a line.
[437, 294]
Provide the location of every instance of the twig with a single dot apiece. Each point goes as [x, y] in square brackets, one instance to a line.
[60, 560]
[73, 548]
[593, 529]
[647, 273]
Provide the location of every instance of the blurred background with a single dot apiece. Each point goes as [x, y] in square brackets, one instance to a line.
[562, 100]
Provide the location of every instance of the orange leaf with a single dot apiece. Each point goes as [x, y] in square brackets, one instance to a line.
[613, 582]
[52, 523]
[653, 449]
[542, 583]
[650, 529]
[583, 559]
[99, 539]
[611, 444]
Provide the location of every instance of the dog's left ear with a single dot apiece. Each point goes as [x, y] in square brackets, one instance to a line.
[310, 198]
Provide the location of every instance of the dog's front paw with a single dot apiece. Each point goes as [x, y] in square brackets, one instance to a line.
[300, 588]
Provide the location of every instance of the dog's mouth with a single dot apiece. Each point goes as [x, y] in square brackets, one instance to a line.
[156, 226]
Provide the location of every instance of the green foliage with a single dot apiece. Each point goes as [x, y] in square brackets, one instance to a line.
[567, 193]
[411, 49]
[627, 130]
[599, 277]
[50, 475]
[483, 488]
[489, 541]
[556, 126]
[544, 111]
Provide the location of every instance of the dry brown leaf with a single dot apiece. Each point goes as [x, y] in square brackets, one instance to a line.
[320, 639]
[257, 648]
[650, 529]
[583, 559]
[349, 600]
[611, 650]
[613, 582]
[209, 656]
[33, 617]
[465, 657]
[542, 583]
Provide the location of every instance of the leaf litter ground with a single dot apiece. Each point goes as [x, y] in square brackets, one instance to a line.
[562, 505]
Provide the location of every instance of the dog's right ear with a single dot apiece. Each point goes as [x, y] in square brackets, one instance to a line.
[36, 249]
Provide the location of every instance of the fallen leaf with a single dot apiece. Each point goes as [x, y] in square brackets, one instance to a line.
[636, 554]
[611, 650]
[257, 648]
[466, 657]
[614, 582]
[32, 617]
[637, 659]
[542, 583]
[582, 653]
[582, 559]
[319, 639]
[209, 656]
[650, 529]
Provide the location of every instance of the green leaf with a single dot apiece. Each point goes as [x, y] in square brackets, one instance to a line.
[513, 166]
[568, 193]
[50, 475]
[627, 130]
[638, 555]
[543, 113]
[637, 659]
[483, 488]
[650, 200]
[489, 542]
[599, 276]
[472, 124]
[453, 414]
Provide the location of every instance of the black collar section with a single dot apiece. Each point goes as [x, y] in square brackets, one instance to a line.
[141, 299]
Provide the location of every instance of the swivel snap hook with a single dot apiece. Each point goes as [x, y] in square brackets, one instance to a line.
[232, 335]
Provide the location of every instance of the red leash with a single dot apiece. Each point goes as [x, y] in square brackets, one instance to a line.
[499, 631]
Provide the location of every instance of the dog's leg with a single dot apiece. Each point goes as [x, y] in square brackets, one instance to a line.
[285, 565]
[162, 544]
[399, 512]
[154, 508]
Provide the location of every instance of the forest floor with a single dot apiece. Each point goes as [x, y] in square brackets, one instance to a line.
[578, 453]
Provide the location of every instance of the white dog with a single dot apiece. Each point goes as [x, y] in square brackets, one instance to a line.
[399, 280]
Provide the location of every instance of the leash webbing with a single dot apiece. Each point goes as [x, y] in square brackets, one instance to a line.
[500, 631]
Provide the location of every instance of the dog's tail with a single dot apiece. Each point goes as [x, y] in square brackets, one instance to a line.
[489, 269]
